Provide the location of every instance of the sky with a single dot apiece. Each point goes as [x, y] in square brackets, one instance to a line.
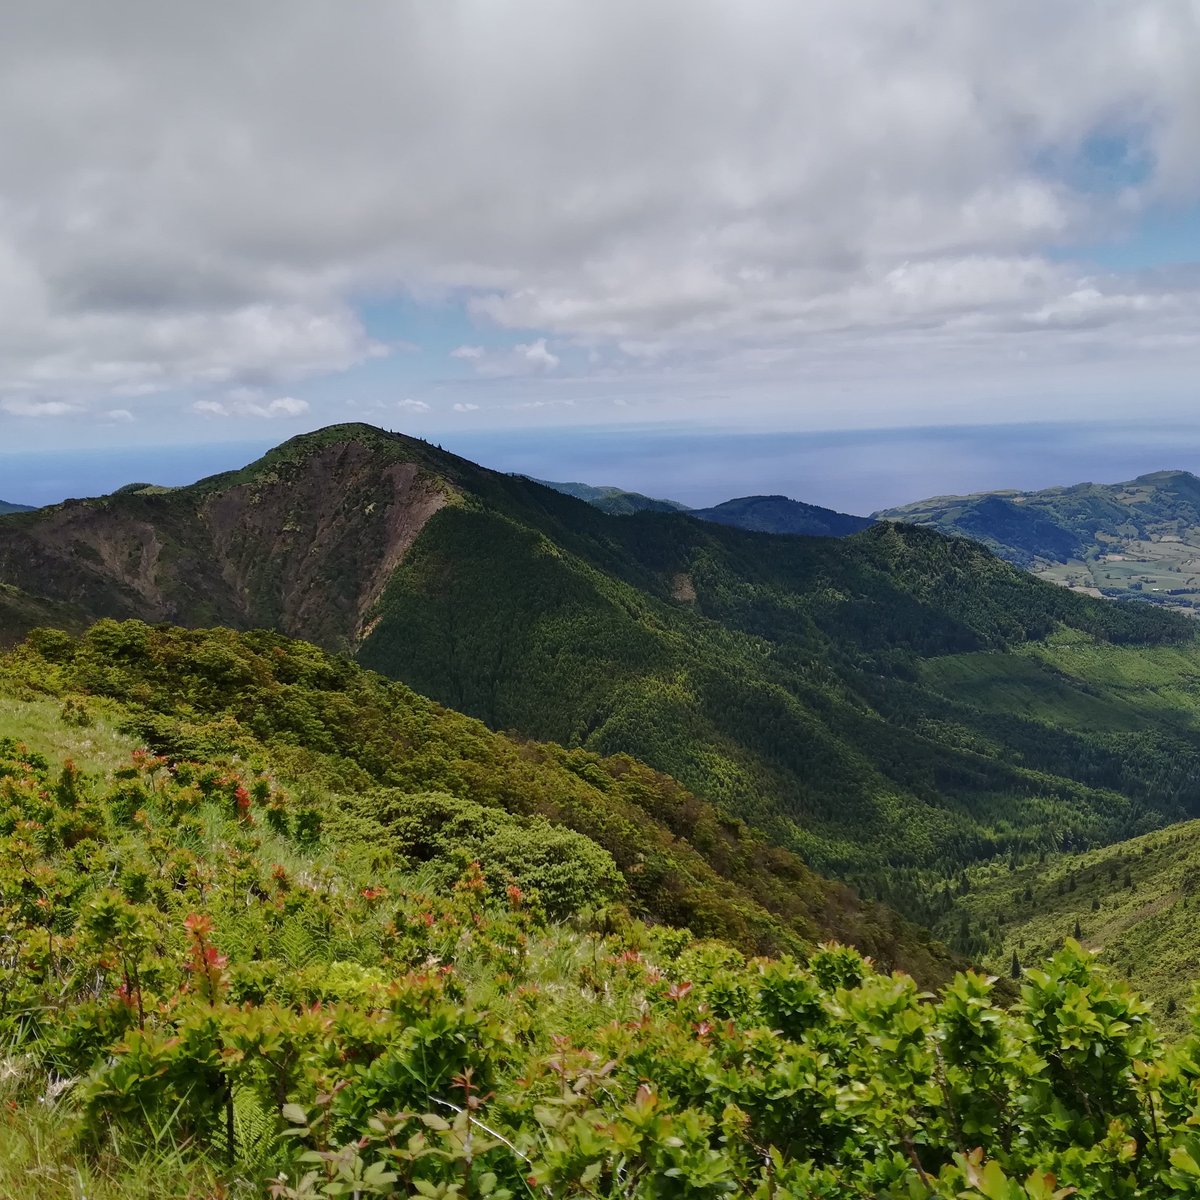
[538, 220]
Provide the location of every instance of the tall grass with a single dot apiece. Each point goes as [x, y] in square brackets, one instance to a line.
[40, 1159]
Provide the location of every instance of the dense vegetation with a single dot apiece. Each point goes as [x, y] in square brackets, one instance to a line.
[193, 694]
[1135, 540]
[1132, 902]
[782, 677]
[273, 920]
[221, 977]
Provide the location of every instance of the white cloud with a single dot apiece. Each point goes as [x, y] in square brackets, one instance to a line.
[120, 416]
[763, 186]
[537, 356]
[17, 407]
[532, 358]
[242, 404]
[413, 405]
[285, 406]
[464, 407]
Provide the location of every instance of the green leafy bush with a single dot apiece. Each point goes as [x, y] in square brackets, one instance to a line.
[330, 1016]
[561, 869]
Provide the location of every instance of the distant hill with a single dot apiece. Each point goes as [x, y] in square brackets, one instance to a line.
[1139, 539]
[778, 514]
[6, 507]
[760, 514]
[615, 501]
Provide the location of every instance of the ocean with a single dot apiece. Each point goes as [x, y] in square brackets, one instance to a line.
[852, 470]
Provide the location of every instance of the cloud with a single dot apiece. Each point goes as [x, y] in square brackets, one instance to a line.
[464, 407]
[537, 356]
[413, 405]
[241, 405]
[17, 407]
[285, 406]
[120, 416]
[532, 358]
[770, 186]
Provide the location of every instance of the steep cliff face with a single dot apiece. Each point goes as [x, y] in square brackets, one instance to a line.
[308, 547]
[302, 543]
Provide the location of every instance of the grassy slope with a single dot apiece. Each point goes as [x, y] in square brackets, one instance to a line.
[1149, 931]
[1137, 904]
[1081, 683]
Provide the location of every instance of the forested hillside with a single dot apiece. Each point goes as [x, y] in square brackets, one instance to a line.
[6, 507]
[326, 939]
[1135, 540]
[782, 677]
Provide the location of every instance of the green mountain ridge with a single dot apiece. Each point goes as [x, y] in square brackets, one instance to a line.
[6, 507]
[613, 500]
[781, 677]
[760, 514]
[1134, 540]
[779, 514]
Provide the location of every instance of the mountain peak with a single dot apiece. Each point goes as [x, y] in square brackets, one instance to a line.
[332, 446]
[1175, 475]
[400, 445]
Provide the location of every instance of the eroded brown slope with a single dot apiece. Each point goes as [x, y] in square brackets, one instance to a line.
[304, 546]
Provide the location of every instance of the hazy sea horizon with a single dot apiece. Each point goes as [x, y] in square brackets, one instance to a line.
[858, 470]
